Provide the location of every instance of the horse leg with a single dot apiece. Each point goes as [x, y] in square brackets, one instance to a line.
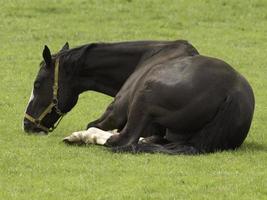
[91, 136]
[154, 139]
[113, 118]
[158, 144]
[153, 134]
[103, 117]
[138, 121]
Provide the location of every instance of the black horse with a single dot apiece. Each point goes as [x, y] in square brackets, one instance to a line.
[181, 102]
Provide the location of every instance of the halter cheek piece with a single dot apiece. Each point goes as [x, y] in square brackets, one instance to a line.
[53, 104]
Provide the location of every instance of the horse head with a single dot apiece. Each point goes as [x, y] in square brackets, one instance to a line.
[52, 95]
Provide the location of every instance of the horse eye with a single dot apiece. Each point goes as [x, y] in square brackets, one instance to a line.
[37, 85]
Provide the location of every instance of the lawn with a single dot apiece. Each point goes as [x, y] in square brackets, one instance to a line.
[42, 167]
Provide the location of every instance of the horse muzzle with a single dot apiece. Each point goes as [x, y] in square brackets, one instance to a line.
[30, 127]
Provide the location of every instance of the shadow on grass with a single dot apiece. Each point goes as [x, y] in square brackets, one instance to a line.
[245, 148]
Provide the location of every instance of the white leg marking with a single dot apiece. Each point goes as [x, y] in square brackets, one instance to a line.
[141, 138]
[91, 136]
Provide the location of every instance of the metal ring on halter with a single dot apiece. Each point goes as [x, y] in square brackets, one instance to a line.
[37, 121]
[55, 101]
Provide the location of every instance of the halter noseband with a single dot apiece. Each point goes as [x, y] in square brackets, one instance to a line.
[53, 104]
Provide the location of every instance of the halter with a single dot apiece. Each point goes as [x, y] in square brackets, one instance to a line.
[53, 104]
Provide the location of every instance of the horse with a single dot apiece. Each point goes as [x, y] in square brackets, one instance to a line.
[168, 98]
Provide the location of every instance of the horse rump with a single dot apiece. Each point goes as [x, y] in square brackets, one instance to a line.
[229, 127]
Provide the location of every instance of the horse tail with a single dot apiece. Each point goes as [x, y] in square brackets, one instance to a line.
[230, 126]
[170, 148]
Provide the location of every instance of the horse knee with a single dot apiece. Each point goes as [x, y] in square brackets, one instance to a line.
[92, 124]
[121, 140]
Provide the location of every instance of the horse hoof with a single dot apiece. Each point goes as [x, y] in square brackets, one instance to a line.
[115, 140]
[74, 138]
[143, 141]
[66, 140]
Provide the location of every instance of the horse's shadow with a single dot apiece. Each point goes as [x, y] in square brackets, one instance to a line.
[254, 146]
[246, 147]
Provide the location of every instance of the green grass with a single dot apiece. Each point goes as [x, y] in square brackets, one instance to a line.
[41, 167]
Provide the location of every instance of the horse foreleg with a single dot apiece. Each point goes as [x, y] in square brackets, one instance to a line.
[113, 118]
[102, 118]
[138, 121]
[154, 139]
[91, 136]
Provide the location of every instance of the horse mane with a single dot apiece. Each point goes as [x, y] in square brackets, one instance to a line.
[75, 50]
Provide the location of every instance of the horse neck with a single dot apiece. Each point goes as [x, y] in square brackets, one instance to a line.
[105, 67]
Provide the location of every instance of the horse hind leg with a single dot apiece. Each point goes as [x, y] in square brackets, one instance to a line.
[138, 120]
[154, 139]
[153, 134]
[167, 142]
[227, 131]
[127, 143]
[158, 144]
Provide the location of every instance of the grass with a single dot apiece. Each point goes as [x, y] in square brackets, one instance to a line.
[41, 167]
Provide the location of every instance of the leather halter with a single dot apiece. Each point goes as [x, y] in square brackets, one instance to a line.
[54, 104]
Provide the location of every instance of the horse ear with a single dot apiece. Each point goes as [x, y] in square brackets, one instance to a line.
[47, 56]
[65, 47]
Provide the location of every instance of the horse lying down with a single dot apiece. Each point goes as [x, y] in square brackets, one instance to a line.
[167, 97]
